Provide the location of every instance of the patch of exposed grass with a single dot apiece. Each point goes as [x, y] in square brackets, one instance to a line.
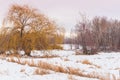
[70, 77]
[66, 59]
[22, 70]
[41, 71]
[86, 62]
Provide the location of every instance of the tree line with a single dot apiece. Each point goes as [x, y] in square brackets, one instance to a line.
[98, 34]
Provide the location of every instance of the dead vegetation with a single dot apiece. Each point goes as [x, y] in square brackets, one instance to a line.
[86, 62]
[70, 77]
[46, 56]
[56, 68]
[41, 71]
[65, 59]
[22, 70]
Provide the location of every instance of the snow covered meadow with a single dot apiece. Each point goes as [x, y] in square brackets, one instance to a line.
[61, 65]
[34, 46]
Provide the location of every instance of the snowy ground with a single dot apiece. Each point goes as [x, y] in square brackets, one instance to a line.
[14, 71]
[64, 65]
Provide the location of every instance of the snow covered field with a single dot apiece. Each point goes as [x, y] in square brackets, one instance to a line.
[14, 71]
[64, 65]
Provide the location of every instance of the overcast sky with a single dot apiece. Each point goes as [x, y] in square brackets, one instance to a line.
[66, 12]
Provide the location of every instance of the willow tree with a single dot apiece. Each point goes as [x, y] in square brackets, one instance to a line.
[21, 17]
[35, 29]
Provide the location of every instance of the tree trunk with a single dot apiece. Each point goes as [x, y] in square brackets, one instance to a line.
[21, 40]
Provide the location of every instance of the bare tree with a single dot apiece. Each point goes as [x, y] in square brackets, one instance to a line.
[81, 29]
[98, 34]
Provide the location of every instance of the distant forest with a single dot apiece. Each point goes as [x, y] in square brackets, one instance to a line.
[98, 34]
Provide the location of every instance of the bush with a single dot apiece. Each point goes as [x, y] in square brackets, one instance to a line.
[55, 47]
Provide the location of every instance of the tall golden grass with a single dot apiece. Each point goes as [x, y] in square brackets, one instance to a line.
[62, 69]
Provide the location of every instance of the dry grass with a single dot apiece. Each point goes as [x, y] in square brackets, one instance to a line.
[41, 72]
[68, 70]
[114, 77]
[24, 62]
[46, 55]
[49, 56]
[31, 63]
[66, 59]
[70, 77]
[13, 55]
[108, 77]
[22, 70]
[78, 52]
[86, 62]
[117, 68]
[97, 66]
[11, 59]
[49, 66]
[73, 71]
[78, 61]
[2, 55]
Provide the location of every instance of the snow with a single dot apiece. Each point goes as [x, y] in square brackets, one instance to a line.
[70, 46]
[12, 71]
[104, 65]
[21, 52]
[59, 53]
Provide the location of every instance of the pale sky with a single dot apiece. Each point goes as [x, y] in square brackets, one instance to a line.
[66, 12]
